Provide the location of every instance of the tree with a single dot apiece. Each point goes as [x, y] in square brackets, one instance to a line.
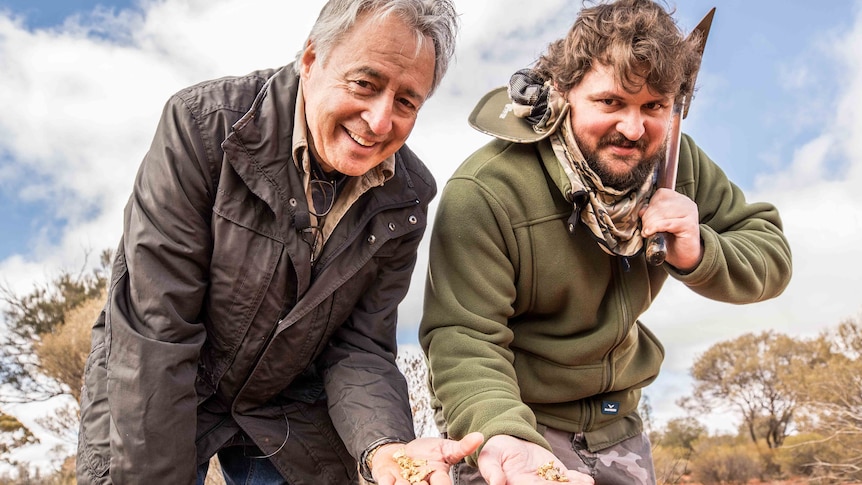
[758, 376]
[40, 357]
[683, 433]
[32, 317]
[832, 402]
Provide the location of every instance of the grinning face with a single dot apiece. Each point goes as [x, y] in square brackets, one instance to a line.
[622, 135]
[361, 102]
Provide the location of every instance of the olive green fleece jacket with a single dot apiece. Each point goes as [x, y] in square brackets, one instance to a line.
[527, 323]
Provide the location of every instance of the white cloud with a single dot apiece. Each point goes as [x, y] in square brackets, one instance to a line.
[81, 102]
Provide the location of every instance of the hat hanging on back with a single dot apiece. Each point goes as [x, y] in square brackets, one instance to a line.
[526, 111]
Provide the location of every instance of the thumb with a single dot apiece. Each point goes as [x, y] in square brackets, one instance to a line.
[465, 446]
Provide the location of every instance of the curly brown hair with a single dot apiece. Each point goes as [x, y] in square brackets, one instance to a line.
[638, 39]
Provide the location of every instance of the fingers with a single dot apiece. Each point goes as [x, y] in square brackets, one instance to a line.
[671, 212]
[491, 467]
[495, 477]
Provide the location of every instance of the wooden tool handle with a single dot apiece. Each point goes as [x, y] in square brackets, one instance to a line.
[656, 249]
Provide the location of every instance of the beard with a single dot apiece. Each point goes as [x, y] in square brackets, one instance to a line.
[625, 181]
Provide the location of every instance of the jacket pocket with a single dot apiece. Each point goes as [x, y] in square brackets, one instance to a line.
[94, 449]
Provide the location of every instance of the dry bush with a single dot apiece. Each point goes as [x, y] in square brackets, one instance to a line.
[63, 352]
[671, 464]
[721, 462]
[821, 458]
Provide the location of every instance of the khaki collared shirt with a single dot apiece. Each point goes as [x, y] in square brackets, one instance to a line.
[356, 186]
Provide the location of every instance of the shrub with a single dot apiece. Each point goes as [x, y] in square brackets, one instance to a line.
[827, 460]
[719, 462]
[671, 464]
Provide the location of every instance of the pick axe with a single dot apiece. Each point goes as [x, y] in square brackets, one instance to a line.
[656, 248]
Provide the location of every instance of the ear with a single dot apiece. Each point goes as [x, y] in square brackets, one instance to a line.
[309, 55]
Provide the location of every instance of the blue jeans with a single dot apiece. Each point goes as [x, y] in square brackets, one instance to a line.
[240, 465]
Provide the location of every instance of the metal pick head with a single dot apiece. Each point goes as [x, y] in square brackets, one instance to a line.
[702, 31]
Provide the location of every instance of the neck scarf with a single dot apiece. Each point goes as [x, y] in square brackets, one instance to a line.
[611, 215]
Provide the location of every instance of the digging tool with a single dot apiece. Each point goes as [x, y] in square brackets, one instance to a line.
[656, 247]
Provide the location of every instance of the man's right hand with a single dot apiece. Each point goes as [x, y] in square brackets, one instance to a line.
[506, 460]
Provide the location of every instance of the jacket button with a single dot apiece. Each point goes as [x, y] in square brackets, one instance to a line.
[372, 239]
[292, 202]
[412, 220]
[571, 228]
[392, 226]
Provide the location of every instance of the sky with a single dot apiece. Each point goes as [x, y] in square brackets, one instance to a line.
[778, 106]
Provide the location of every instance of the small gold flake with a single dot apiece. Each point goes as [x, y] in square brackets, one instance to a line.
[549, 472]
[413, 470]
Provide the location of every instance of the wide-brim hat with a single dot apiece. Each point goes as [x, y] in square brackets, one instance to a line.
[494, 115]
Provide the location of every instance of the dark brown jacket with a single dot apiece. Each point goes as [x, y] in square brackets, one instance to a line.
[216, 321]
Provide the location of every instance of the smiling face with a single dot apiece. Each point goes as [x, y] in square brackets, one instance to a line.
[361, 102]
[621, 134]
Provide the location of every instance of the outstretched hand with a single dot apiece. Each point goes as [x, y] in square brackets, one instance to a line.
[439, 455]
[506, 460]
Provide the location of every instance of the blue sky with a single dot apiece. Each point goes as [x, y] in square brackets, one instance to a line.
[778, 106]
[42, 13]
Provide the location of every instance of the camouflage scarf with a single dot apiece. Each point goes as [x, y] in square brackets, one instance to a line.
[610, 214]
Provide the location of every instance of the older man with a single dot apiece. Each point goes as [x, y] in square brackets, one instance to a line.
[269, 238]
[537, 271]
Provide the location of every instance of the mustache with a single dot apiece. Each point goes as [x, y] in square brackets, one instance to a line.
[618, 139]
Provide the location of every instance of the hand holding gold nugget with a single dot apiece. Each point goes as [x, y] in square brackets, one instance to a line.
[549, 472]
[412, 469]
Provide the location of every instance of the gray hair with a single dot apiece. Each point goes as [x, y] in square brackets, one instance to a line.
[435, 19]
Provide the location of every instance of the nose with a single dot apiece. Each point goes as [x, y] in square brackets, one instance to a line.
[378, 115]
[632, 125]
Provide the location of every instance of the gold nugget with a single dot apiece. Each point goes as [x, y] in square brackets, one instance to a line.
[549, 472]
[413, 470]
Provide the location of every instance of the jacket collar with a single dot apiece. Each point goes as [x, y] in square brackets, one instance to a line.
[259, 147]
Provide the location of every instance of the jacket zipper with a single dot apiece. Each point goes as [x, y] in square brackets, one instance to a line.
[623, 326]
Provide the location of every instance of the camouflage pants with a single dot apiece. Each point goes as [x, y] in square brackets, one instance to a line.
[626, 463]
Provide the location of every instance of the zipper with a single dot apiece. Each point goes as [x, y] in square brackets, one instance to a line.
[618, 269]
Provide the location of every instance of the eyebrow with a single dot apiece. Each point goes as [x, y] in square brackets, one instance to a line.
[373, 73]
[605, 95]
[615, 95]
